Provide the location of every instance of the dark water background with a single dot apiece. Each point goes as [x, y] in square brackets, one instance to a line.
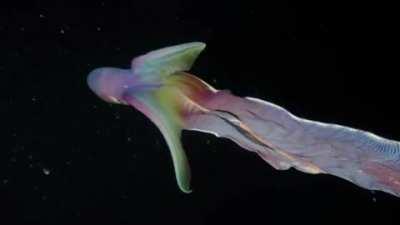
[70, 158]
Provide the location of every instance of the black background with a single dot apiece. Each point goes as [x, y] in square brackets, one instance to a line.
[70, 158]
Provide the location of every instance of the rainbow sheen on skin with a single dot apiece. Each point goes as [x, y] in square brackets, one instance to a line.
[158, 86]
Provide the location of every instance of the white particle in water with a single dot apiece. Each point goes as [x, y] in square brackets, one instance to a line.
[46, 171]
